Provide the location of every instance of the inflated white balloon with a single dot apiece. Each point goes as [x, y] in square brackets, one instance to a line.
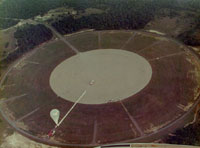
[55, 114]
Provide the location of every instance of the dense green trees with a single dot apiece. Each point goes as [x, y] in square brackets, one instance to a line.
[128, 14]
[191, 37]
[30, 8]
[188, 136]
[24, 9]
[29, 36]
[120, 14]
[132, 10]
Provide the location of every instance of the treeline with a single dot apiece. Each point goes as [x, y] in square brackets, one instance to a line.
[138, 10]
[187, 136]
[100, 22]
[28, 36]
[121, 15]
[24, 9]
[192, 36]
[193, 5]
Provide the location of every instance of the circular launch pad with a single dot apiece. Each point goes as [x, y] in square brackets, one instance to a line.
[121, 86]
[116, 74]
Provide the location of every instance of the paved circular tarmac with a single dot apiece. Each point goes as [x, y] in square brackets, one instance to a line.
[106, 75]
[156, 79]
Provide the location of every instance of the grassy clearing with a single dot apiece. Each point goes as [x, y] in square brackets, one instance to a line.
[48, 52]
[161, 50]
[114, 39]
[93, 11]
[139, 42]
[23, 76]
[172, 25]
[84, 41]
[172, 74]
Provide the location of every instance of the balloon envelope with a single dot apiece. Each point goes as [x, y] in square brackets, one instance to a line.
[55, 114]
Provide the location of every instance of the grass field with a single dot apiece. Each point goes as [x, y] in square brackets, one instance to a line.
[115, 40]
[161, 50]
[84, 41]
[164, 93]
[139, 41]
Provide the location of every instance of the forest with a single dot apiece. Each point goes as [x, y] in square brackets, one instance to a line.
[192, 36]
[189, 135]
[24, 9]
[129, 14]
[28, 36]
[119, 16]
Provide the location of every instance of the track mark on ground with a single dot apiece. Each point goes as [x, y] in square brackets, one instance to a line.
[130, 38]
[9, 85]
[5, 75]
[6, 86]
[23, 117]
[69, 111]
[132, 119]
[32, 62]
[166, 56]
[95, 132]
[99, 39]
[133, 130]
[13, 98]
[62, 38]
[153, 44]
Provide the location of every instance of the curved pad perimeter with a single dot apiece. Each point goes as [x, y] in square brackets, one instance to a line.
[108, 75]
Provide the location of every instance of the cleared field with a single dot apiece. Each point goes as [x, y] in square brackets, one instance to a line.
[84, 41]
[168, 95]
[27, 95]
[173, 26]
[163, 105]
[56, 48]
[139, 42]
[161, 49]
[114, 39]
